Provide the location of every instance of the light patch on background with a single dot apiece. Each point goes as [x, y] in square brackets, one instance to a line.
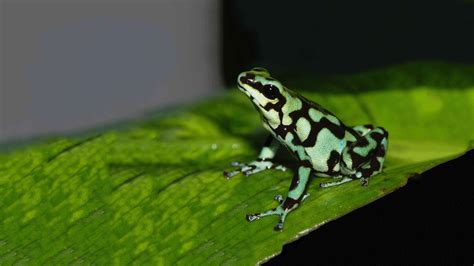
[74, 66]
[97, 62]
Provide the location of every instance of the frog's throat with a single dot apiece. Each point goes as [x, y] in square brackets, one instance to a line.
[275, 113]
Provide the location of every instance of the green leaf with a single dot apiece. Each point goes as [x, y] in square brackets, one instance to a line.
[153, 190]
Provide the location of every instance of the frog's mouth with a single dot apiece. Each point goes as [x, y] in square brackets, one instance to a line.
[249, 95]
[245, 91]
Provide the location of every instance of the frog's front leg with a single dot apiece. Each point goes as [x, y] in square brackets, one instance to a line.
[295, 196]
[263, 162]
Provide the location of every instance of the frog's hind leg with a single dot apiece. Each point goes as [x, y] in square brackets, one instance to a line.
[371, 168]
[295, 196]
[365, 157]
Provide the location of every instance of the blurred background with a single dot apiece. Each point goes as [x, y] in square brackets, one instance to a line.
[72, 65]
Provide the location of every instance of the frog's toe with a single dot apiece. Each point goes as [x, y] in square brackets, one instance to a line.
[252, 217]
[279, 198]
[248, 173]
[243, 168]
[278, 227]
[256, 216]
[236, 163]
[229, 175]
[364, 182]
[279, 167]
[305, 196]
[324, 184]
[282, 213]
[252, 168]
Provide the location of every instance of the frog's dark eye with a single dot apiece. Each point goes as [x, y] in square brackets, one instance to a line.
[270, 91]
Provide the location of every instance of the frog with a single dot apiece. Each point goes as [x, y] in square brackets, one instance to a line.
[323, 145]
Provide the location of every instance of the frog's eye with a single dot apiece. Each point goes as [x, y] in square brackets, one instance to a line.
[270, 91]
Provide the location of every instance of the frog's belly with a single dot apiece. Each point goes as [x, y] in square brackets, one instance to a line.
[326, 152]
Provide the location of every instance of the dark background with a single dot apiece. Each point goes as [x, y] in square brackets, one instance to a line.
[426, 222]
[334, 37]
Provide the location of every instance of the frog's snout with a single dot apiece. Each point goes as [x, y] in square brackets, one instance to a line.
[245, 78]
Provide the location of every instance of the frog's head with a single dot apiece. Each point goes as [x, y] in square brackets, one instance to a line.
[267, 93]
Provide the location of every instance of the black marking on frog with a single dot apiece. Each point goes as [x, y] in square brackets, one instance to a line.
[307, 163]
[378, 136]
[294, 183]
[289, 203]
[316, 127]
[333, 160]
[268, 141]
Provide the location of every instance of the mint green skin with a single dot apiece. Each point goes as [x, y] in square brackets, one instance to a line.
[321, 142]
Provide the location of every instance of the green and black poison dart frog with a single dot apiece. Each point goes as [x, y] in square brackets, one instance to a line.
[323, 145]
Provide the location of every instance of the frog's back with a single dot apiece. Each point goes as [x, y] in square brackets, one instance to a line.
[323, 137]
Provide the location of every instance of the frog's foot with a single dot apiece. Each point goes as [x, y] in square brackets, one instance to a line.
[363, 176]
[282, 210]
[364, 181]
[276, 211]
[339, 181]
[253, 168]
[279, 197]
